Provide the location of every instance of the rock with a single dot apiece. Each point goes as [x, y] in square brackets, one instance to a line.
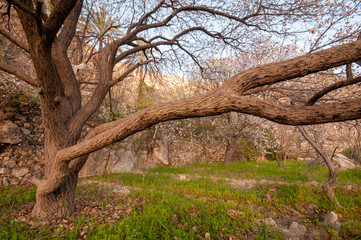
[2, 115]
[10, 164]
[160, 152]
[25, 131]
[26, 178]
[270, 222]
[331, 219]
[38, 174]
[4, 171]
[20, 172]
[121, 160]
[20, 117]
[10, 133]
[296, 231]
[343, 162]
[183, 177]
[6, 181]
[14, 181]
[122, 190]
[37, 167]
[313, 183]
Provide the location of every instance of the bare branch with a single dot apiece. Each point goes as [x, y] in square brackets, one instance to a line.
[18, 43]
[21, 75]
[332, 87]
[173, 41]
[128, 71]
[142, 20]
[349, 74]
[38, 13]
[298, 67]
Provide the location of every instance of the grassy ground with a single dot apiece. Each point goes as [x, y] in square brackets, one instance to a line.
[199, 201]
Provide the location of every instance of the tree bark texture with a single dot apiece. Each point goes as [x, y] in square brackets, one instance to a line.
[231, 148]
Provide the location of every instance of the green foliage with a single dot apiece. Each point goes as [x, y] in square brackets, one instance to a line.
[248, 150]
[144, 99]
[19, 100]
[353, 153]
[145, 104]
[116, 114]
[163, 215]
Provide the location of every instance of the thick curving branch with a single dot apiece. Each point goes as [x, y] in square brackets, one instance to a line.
[297, 67]
[57, 17]
[213, 104]
[69, 28]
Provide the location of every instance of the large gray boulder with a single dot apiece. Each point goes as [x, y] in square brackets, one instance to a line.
[10, 133]
[343, 162]
[121, 160]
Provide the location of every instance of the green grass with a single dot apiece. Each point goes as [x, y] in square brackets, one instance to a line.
[161, 206]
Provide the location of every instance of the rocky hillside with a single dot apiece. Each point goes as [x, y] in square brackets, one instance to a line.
[21, 142]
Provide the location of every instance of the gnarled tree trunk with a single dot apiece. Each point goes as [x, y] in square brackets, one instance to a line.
[330, 185]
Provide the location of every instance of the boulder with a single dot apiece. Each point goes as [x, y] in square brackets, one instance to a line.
[25, 131]
[343, 162]
[20, 172]
[296, 231]
[4, 171]
[10, 133]
[270, 222]
[160, 153]
[122, 160]
[10, 164]
[332, 220]
[5, 181]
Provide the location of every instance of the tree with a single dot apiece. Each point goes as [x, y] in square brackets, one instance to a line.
[166, 29]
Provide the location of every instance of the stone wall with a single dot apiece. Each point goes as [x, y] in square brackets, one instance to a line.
[21, 153]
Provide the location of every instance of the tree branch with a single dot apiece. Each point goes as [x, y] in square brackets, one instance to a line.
[128, 71]
[21, 75]
[18, 43]
[165, 41]
[297, 67]
[57, 17]
[332, 87]
[215, 103]
[21, 6]
[69, 28]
